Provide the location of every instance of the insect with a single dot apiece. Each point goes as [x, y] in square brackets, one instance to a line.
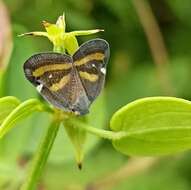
[70, 83]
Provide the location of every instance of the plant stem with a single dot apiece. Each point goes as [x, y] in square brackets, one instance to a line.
[41, 156]
[133, 168]
[58, 49]
[156, 43]
[111, 135]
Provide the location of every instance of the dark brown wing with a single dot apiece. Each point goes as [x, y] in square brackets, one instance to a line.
[57, 81]
[48, 72]
[90, 60]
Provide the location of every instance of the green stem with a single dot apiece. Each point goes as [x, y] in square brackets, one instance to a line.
[41, 156]
[58, 49]
[111, 135]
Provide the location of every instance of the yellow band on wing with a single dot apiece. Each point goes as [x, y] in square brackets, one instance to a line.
[43, 69]
[94, 56]
[88, 76]
[59, 85]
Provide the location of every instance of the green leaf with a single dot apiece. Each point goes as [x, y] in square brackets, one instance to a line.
[62, 150]
[20, 112]
[77, 137]
[85, 32]
[7, 104]
[153, 126]
[70, 43]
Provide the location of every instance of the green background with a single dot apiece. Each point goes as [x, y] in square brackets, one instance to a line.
[132, 73]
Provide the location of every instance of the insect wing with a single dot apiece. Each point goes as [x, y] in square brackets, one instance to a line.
[90, 60]
[50, 73]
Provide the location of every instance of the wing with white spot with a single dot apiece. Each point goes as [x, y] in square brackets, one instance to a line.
[50, 73]
[90, 60]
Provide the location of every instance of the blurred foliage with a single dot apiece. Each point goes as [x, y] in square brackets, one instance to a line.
[132, 74]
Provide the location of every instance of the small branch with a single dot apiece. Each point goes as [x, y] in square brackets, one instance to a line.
[134, 167]
[111, 135]
[41, 156]
[156, 42]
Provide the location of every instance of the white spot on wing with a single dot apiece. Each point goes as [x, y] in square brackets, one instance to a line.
[28, 72]
[50, 76]
[93, 65]
[39, 87]
[103, 70]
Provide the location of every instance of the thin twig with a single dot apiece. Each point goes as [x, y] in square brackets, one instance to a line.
[110, 135]
[156, 42]
[134, 167]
